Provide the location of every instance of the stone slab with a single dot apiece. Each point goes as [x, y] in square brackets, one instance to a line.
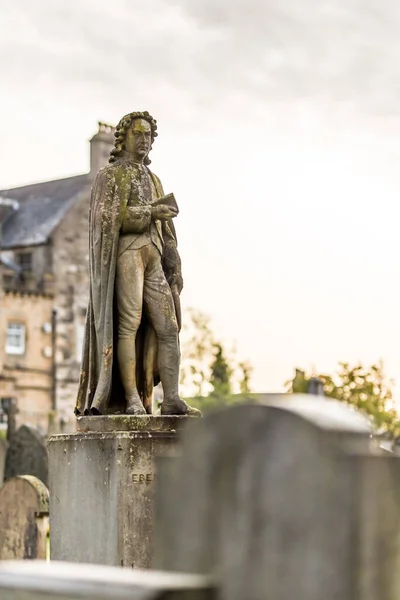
[66, 581]
[102, 491]
[110, 423]
[291, 499]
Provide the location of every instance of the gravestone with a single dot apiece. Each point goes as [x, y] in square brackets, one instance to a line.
[24, 518]
[3, 456]
[65, 581]
[290, 499]
[27, 455]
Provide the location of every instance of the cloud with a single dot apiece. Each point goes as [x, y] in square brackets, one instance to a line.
[342, 51]
[210, 54]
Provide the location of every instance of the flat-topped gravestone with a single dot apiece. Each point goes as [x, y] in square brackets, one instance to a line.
[65, 581]
[102, 481]
[290, 499]
[24, 518]
[27, 455]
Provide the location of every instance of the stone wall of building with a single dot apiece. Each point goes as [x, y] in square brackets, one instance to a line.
[28, 376]
[70, 264]
[37, 277]
[2, 332]
[57, 278]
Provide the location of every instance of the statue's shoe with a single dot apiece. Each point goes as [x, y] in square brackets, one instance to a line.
[136, 410]
[177, 406]
[135, 407]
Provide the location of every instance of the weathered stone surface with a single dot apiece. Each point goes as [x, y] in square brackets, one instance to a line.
[102, 490]
[286, 500]
[3, 456]
[131, 423]
[27, 455]
[134, 263]
[27, 581]
[24, 512]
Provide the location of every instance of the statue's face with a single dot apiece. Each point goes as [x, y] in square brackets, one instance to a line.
[138, 139]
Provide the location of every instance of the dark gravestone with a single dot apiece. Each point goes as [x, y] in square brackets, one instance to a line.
[27, 455]
[291, 499]
[71, 581]
[3, 456]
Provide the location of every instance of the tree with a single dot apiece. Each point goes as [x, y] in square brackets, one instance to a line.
[221, 372]
[210, 375]
[198, 344]
[246, 372]
[299, 385]
[366, 389]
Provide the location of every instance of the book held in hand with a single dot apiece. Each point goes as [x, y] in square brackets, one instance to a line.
[168, 200]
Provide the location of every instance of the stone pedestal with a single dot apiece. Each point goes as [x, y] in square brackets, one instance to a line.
[102, 481]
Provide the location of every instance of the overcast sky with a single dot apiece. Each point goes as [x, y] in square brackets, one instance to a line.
[279, 133]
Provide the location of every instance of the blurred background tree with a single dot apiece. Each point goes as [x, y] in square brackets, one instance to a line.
[211, 375]
[221, 372]
[366, 389]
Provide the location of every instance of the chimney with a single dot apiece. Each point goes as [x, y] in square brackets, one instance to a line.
[101, 145]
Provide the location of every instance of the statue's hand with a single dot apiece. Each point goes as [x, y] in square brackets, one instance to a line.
[176, 279]
[162, 212]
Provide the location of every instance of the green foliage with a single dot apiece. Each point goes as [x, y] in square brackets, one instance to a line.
[214, 401]
[198, 343]
[246, 371]
[299, 385]
[209, 374]
[221, 372]
[366, 389]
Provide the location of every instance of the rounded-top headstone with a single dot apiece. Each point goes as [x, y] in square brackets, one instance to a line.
[24, 508]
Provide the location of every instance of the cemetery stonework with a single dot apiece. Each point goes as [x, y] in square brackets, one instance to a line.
[102, 477]
[24, 518]
[102, 483]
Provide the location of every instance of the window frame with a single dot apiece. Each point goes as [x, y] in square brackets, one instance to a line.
[20, 255]
[11, 348]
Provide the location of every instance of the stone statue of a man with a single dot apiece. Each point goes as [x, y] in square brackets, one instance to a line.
[132, 326]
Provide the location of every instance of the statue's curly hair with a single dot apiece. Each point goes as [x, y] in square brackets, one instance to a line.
[122, 128]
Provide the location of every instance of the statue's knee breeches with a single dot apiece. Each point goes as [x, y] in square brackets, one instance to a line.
[129, 293]
[128, 323]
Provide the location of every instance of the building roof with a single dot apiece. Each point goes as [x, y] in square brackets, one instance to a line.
[42, 206]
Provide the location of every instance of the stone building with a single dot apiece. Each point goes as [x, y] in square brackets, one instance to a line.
[44, 290]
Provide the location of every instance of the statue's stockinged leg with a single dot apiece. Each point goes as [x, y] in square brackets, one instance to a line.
[160, 307]
[129, 289]
[127, 369]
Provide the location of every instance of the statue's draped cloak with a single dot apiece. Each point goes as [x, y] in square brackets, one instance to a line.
[100, 387]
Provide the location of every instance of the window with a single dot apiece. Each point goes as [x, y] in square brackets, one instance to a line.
[15, 342]
[25, 261]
